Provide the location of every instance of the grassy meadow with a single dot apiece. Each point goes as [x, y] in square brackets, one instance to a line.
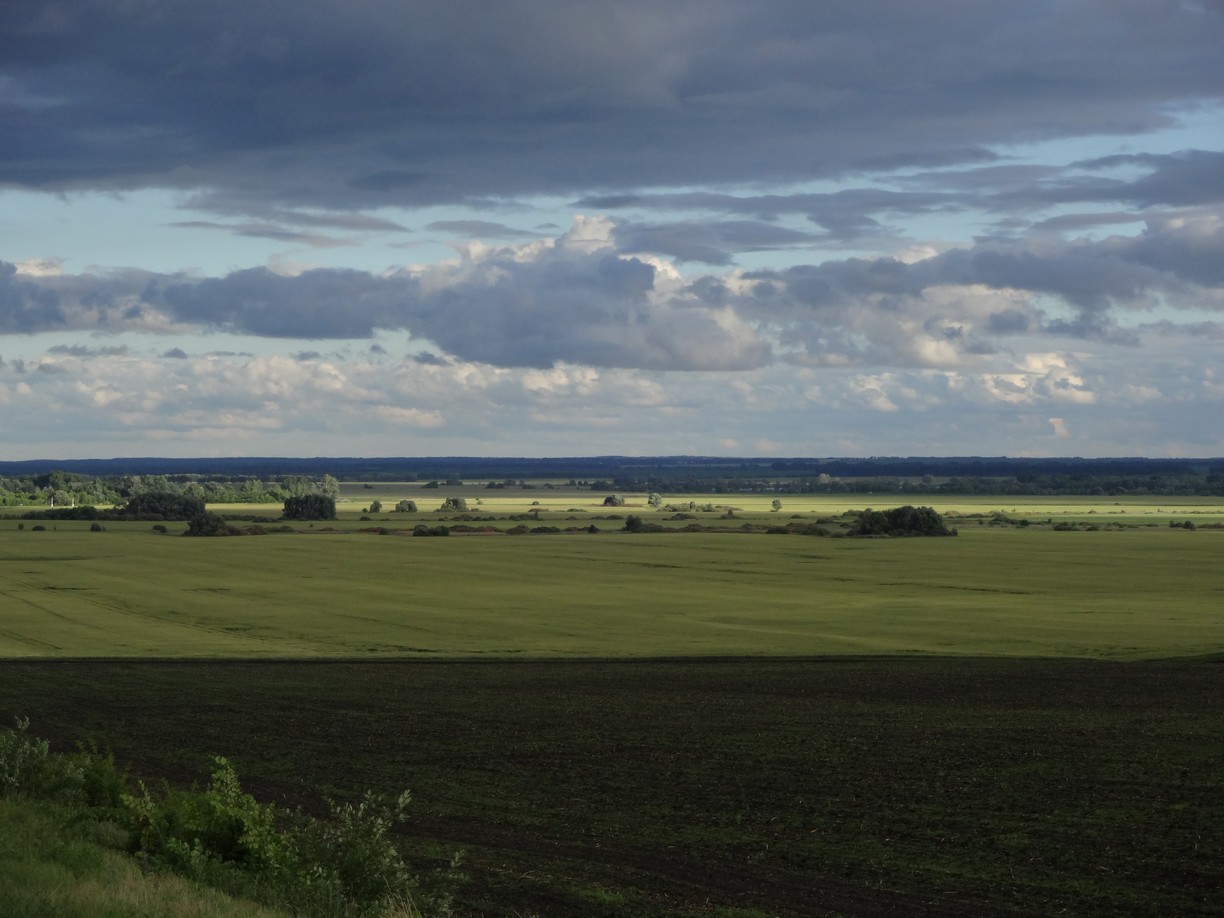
[343, 590]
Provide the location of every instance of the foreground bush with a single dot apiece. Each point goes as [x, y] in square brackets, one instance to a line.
[52, 862]
[346, 864]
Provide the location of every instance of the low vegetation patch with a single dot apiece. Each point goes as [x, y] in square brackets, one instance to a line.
[345, 864]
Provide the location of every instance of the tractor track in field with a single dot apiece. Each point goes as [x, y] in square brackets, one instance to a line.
[79, 595]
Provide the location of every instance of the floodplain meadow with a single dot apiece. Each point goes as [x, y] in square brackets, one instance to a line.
[1024, 719]
[329, 590]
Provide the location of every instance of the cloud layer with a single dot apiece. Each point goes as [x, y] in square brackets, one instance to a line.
[411, 103]
[870, 227]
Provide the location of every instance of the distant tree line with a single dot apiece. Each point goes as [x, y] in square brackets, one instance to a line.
[59, 489]
[1207, 484]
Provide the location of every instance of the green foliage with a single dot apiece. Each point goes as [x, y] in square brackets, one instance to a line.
[344, 864]
[406, 506]
[310, 507]
[614, 500]
[209, 524]
[900, 521]
[163, 505]
[190, 832]
[102, 783]
[655, 500]
[420, 529]
[83, 512]
[353, 852]
[28, 769]
[456, 504]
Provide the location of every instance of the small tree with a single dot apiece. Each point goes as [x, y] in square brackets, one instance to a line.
[406, 506]
[654, 500]
[614, 500]
[375, 506]
[458, 504]
[777, 504]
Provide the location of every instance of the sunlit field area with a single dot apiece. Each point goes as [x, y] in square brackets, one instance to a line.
[1126, 580]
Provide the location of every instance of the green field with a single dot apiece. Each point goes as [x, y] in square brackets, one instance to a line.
[1019, 720]
[130, 592]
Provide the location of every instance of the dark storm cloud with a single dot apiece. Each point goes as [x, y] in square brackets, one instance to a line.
[26, 306]
[264, 231]
[81, 350]
[711, 242]
[334, 303]
[1183, 179]
[350, 106]
[1179, 179]
[426, 358]
[479, 229]
[564, 304]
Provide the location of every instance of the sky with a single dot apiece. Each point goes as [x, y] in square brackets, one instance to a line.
[546, 228]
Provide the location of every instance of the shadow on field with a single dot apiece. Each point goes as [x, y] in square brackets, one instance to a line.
[885, 786]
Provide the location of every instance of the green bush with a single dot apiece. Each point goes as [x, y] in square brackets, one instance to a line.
[102, 783]
[420, 529]
[209, 524]
[343, 865]
[28, 769]
[189, 831]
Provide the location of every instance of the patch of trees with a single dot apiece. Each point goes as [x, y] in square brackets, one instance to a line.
[66, 490]
[64, 513]
[899, 521]
[310, 507]
[163, 505]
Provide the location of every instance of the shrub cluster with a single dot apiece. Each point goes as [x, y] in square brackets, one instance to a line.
[420, 529]
[345, 864]
[900, 521]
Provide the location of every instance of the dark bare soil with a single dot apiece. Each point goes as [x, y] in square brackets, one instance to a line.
[705, 787]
